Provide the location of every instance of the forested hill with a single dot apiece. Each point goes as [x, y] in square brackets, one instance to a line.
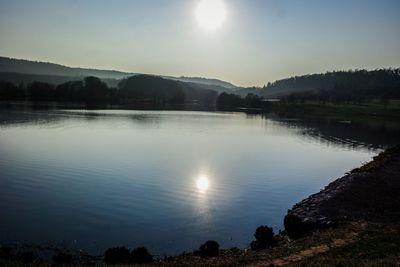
[159, 89]
[204, 81]
[45, 68]
[11, 65]
[18, 78]
[360, 81]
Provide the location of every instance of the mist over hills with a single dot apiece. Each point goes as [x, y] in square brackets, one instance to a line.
[45, 68]
[329, 86]
[205, 81]
[17, 78]
[45, 71]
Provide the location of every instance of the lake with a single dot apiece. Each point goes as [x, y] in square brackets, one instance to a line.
[167, 180]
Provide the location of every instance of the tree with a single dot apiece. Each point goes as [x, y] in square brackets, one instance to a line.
[229, 100]
[9, 91]
[95, 89]
[41, 91]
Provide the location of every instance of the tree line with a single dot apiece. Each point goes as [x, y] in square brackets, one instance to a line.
[341, 86]
[335, 87]
[91, 89]
[227, 101]
[138, 88]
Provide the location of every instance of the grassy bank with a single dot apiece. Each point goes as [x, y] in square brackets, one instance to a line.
[376, 245]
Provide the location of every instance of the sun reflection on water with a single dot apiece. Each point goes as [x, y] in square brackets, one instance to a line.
[202, 184]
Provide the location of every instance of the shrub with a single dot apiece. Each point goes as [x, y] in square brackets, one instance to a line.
[62, 258]
[264, 234]
[264, 238]
[116, 255]
[141, 255]
[294, 226]
[209, 249]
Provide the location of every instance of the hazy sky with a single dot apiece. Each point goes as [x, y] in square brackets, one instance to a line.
[260, 40]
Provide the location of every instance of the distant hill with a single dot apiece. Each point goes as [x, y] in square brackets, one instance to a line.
[17, 78]
[204, 81]
[358, 82]
[243, 92]
[45, 70]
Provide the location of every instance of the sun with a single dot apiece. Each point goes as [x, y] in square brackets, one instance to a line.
[211, 14]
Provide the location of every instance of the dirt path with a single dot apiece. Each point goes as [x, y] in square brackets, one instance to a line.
[310, 252]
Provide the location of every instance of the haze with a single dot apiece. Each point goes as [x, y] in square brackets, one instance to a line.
[259, 41]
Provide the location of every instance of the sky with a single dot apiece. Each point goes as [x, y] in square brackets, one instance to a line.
[259, 40]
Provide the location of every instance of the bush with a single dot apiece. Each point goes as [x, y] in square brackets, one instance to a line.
[62, 258]
[264, 238]
[264, 234]
[141, 255]
[209, 249]
[294, 226]
[117, 255]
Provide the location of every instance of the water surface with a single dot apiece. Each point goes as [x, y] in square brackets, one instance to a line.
[168, 180]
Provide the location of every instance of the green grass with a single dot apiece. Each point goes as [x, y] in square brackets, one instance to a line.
[377, 247]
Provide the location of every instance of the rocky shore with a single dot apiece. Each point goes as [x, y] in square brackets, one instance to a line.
[369, 193]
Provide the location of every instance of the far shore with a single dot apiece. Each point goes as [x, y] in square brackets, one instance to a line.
[390, 111]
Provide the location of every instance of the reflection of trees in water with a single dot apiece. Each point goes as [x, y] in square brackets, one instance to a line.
[34, 113]
[323, 130]
[14, 118]
[345, 133]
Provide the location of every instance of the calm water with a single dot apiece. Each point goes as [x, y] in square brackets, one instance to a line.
[166, 180]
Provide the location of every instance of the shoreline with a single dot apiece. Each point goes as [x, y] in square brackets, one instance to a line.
[369, 110]
[370, 192]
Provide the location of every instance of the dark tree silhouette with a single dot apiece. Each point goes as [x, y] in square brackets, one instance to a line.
[152, 88]
[229, 100]
[95, 90]
[71, 91]
[9, 91]
[41, 91]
